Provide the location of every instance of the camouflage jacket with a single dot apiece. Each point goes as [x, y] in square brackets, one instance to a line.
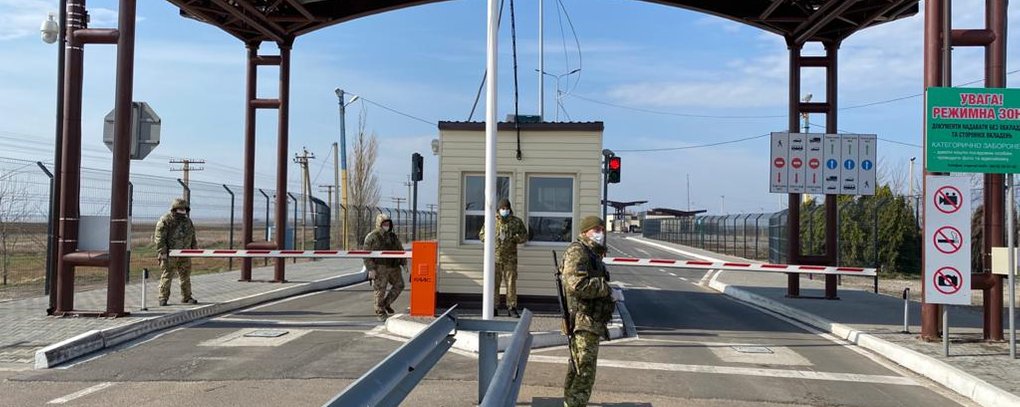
[174, 232]
[509, 233]
[586, 283]
[379, 240]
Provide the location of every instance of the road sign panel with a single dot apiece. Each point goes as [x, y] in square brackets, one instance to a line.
[848, 172]
[797, 154]
[779, 180]
[813, 176]
[867, 145]
[972, 130]
[831, 152]
[947, 240]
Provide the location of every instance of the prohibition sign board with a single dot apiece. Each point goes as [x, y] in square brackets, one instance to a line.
[948, 239]
[948, 199]
[948, 280]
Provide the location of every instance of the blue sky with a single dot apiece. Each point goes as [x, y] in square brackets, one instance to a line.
[428, 61]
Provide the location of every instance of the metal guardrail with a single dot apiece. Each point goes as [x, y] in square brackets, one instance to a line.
[390, 381]
[506, 382]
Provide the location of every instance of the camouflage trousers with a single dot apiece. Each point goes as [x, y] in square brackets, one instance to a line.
[584, 349]
[507, 272]
[386, 277]
[182, 269]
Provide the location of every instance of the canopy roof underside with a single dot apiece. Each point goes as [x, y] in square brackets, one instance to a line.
[798, 21]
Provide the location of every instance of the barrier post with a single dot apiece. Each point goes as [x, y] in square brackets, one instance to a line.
[423, 278]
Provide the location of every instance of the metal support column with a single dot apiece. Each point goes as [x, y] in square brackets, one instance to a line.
[933, 76]
[995, 211]
[831, 209]
[248, 187]
[281, 157]
[793, 214]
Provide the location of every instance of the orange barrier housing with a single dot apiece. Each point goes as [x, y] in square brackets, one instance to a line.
[424, 261]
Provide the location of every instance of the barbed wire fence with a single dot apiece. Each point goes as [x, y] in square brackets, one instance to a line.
[215, 210]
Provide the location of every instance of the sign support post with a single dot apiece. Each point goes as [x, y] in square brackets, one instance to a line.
[1011, 244]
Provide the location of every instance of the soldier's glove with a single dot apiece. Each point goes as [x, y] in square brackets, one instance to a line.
[616, 294]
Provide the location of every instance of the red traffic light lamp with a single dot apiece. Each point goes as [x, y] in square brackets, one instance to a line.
[613, 167]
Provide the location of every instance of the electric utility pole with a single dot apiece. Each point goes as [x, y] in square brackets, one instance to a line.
[186, 166]
[306, 191]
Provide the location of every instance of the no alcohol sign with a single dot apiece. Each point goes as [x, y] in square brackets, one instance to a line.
[947, 240]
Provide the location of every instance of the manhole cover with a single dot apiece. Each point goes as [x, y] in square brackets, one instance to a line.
[751, 349]
[266, 333]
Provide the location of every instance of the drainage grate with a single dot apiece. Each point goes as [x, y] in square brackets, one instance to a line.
[266, 333]
[752, 349]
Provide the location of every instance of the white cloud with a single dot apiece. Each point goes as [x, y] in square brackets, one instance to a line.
[21, 18]
[703, 94]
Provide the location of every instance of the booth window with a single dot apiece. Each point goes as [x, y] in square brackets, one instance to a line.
[474, 203]
[550, 208]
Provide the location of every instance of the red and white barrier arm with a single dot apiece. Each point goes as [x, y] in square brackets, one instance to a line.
[739, 266]
[349, 254]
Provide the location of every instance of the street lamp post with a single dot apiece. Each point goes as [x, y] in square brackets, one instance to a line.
[343, 155]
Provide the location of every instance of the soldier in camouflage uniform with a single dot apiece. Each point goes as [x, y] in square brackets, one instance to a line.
[384, 272]
[591, 302]
[510, 232]
[175, 231]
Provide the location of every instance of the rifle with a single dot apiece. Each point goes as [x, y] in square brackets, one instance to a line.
[568, 322]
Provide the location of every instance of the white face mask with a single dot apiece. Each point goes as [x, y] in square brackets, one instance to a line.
[386, 228]
[182, 212]
[598, 237]
[504, 212]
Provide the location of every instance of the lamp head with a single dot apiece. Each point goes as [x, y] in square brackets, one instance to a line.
[49, 30]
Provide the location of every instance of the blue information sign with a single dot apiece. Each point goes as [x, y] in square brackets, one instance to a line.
[848, 164]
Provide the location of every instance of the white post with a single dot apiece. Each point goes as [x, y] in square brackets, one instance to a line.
[489, 258]
[145, 276]
[541, 61]
[1011, 244]
[945, 330]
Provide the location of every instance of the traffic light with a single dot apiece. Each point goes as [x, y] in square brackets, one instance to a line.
[613, 170]
[417, 167]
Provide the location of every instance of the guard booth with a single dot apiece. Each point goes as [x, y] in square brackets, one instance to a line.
[556, 182]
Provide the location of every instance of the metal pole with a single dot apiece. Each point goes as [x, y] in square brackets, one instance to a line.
[230, 245]
[145, 276]
[995, 77]
[343, 161]
[414, 213]
[294, 232]
[793, 200]
[1011, 244]
[945, 330]
[248, 185]
[906, 310]
[491, 90]
[121, 159]
[541, 60]
[49, 239]
[265, 261]
[335, 199]
[54, 214]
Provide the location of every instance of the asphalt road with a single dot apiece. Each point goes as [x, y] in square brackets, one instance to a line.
[695, 347]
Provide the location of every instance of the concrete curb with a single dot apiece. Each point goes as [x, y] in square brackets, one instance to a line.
[955, 379]
[468, 340]
[92, 341]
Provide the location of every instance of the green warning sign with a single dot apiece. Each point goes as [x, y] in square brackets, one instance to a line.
[973, 130]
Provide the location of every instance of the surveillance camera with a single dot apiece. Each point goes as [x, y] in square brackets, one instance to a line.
[49, 30]
[338, 91]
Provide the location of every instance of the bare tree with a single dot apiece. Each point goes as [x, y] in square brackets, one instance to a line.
[15, 209]
[364, 186]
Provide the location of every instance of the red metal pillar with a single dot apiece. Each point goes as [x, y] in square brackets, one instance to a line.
[122, 136]
[995, 208]
[933, 77]
[831, 207]
[67, 239]
[793, 213]
[282, 161]
[248, 194]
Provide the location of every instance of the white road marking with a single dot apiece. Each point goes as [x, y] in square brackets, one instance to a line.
[645, 252]
[672, 274]
[663, 270]
[684, 278]
[80, 393]
[740, 371]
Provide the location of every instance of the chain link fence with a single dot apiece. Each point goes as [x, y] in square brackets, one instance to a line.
[215, 210]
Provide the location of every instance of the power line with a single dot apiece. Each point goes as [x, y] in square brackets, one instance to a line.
[431, 123]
